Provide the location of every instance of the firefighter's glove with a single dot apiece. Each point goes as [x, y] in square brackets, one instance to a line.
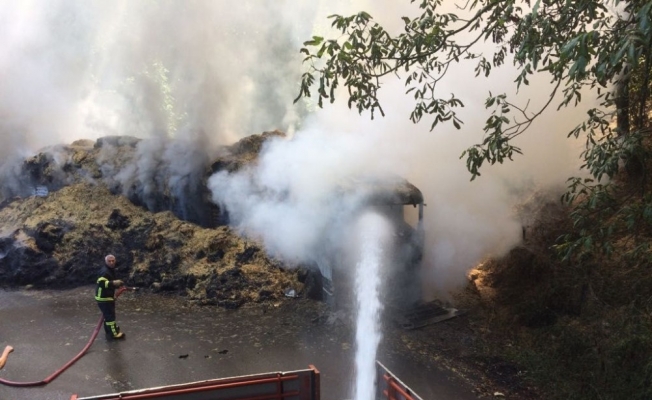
[118, 283]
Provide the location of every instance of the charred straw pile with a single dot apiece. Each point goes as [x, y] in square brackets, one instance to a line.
[65, 208]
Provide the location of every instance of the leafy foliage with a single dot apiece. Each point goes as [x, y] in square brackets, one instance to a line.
[580, 44]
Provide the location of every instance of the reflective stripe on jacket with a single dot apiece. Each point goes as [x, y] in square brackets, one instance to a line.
[105, 289]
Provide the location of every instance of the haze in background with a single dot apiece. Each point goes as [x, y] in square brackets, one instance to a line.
[205, 72]
[85, 69]
[211, 72]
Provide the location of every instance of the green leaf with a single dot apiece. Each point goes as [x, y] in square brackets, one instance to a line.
[535, 9]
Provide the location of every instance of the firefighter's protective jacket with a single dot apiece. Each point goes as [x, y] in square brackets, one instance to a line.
[105, 289]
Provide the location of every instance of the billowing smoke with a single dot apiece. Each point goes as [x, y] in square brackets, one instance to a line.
[465, 221]
[86, 69]
[165, 174]
[294, 197]
[205, 72]
[188, 76]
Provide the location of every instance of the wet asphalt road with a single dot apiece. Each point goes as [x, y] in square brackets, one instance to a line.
[171, 342]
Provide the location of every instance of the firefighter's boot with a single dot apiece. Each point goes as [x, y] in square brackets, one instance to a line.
[113, 330]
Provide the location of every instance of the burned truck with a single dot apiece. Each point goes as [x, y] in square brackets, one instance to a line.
[402, 205]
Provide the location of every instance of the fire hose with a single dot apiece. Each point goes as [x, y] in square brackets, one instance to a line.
[58, 372]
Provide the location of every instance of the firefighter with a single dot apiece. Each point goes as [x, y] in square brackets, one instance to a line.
[105, 297]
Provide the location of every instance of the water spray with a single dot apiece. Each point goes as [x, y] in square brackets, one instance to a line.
[373, 230]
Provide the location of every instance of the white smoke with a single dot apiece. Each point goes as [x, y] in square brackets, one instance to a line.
[292, 197]
[204, 72]
[86, 69]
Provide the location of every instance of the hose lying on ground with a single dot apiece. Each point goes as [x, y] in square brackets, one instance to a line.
[5, 354]
[68, 364]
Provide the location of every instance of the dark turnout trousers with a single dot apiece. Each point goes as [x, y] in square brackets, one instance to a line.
[108, 311]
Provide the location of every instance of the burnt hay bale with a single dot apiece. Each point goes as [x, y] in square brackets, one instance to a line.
[47, 235]
[225, 289]
[22, 265]
[117, 220]
[246, 255]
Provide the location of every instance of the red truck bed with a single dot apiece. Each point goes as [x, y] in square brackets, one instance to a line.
[294, 385]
